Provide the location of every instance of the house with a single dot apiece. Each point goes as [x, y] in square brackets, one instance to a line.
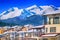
[24, 28]
[35, 32]
[1, 30]
[30, 32]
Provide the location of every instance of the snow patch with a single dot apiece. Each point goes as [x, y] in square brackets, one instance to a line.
[11, 14]
[34, 9]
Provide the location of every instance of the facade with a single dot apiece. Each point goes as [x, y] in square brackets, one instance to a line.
[24, 28]
[1, 30]
[35, 32]
[52, 29]
[53, 23]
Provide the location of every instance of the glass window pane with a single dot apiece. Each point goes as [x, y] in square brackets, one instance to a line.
[56, 20]
[45, 39]
[52, 29]
[49, 20]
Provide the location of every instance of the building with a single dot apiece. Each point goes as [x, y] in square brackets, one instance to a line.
[52, 27]
[1, 30]
[35, 32]
[53, 23]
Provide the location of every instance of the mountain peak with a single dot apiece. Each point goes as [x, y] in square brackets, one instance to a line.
[34, 9]
[31, 7]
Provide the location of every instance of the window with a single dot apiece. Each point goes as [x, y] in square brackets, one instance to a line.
[53, 38]
[46, 30]
[49, 20]
[52, 29]
[39, 39]
[45, 39]
[56, 20]
[35, 34]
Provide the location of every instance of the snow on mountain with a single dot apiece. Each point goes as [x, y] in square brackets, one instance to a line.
[54, 12]
[48, 9]
[16, 16]
[15, 12]
[2, 13]
[34, 9]
[11, 14]
[28, 15]
[58, 7]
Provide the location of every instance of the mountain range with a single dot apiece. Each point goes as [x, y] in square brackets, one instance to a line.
[31, 15]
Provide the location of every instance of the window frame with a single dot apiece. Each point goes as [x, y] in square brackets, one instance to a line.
[52, 29]
[46, 30]
[55, 20]
[50, 20]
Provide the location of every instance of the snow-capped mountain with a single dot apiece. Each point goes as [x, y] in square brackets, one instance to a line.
[34, 9]
[31, 15]
[15, 12]
[15, 15]
[48, 9]
[11, 13]
[58, 7]
[27, 12]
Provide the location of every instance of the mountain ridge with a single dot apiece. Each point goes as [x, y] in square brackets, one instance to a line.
[31, 15]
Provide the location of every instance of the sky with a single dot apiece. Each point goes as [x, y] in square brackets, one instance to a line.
[6, 4]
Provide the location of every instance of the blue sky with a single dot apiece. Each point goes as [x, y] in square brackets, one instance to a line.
[6, 4]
